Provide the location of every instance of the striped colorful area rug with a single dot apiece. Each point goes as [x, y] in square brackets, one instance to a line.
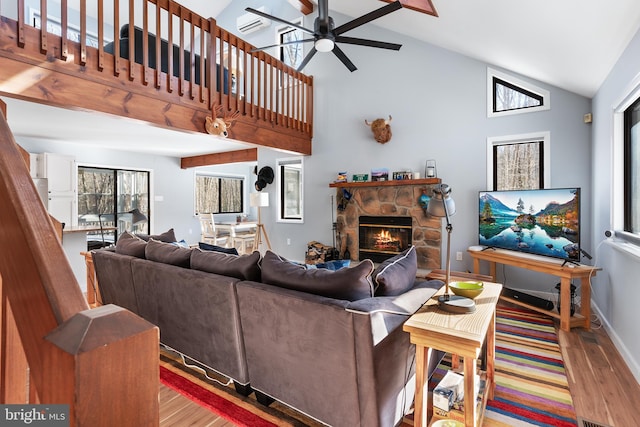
[531, 383]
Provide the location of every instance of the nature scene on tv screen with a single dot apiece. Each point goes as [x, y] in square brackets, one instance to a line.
[544, 222]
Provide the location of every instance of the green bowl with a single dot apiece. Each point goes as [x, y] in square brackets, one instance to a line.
[467, 289]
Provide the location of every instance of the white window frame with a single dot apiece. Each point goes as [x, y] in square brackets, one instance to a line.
[280, 162]
[545, 94]
[544, 136]
[281, 29]
[245, 195]
[632, 93]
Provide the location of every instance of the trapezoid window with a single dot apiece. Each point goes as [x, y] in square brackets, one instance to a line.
[509, 95]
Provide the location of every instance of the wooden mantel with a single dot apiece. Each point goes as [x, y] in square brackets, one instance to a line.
[390, 183]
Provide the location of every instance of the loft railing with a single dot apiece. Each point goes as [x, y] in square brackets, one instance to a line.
[101, 363]
[161, 44]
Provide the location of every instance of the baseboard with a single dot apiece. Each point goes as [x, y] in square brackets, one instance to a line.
[618, 343]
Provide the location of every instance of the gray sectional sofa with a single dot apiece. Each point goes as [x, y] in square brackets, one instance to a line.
[323, 342]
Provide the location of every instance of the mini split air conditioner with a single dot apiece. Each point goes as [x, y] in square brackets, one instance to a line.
[249, 22]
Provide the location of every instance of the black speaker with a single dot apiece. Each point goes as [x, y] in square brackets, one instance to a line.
[529, 299]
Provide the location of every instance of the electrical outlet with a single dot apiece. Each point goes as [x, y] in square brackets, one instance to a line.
[288, 242]
[458, 256]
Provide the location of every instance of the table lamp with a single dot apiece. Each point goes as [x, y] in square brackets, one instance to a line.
[260, 200]
[442, 205]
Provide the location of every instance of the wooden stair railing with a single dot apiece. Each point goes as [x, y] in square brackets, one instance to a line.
[103, 363]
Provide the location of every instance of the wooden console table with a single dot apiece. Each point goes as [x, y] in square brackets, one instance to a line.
[460, 335]
[566, 273]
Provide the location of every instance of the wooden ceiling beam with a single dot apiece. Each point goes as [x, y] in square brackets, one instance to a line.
[304, 6]
[423, 6]
[248, 155]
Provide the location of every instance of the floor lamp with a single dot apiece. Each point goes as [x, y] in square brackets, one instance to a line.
[260, 200]
[442, 205]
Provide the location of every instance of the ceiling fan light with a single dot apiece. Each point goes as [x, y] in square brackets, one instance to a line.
[324, 45]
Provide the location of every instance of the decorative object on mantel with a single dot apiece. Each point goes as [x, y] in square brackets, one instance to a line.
[430, 170]
[381, 129]
[265, 176]
[219, 126]
[442, 205]
[380, 174]
[398, 176]
[360, 177]
[342, 177]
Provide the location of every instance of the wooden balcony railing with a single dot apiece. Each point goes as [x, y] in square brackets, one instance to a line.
[162, 50]
[102, 363]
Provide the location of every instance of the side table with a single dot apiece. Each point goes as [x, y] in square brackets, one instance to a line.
[458, 334]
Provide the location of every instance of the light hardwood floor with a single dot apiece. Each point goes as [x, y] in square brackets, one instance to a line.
[604, 391]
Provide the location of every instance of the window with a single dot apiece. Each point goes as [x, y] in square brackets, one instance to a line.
[218, 194]
[518, 162]
[290, 52]
[290, 186]
[108, 198]
[632, 168]
[509, 95]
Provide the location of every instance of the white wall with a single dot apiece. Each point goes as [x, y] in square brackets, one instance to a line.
[438, 102]
[615, 289]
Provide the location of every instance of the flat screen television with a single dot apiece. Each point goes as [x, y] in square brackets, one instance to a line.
[542, 222]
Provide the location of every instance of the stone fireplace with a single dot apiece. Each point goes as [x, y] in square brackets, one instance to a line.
[389, 199]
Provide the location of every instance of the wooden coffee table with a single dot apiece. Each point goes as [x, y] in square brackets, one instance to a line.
[462, 335]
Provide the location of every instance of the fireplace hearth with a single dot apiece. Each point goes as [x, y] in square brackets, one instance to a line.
[382, 237]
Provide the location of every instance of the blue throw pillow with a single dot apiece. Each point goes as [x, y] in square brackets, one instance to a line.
[208, 247]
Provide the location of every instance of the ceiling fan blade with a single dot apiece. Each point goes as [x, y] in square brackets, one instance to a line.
[342, 57]
[307, 58]
[378, 13]
[370, 43]
[275, 18]
[258, 49]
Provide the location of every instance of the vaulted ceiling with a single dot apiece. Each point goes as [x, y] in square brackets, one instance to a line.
[572, 44]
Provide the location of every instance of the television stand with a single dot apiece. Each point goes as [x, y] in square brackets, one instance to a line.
[566, 273]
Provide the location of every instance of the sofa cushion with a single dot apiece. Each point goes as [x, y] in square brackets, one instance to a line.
[128, 244]
[208, 247]
[397, 274]
[168, 236]
[350, 284]
[168, 253]
[243, 267]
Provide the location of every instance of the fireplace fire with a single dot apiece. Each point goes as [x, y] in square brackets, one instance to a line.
[382, 237]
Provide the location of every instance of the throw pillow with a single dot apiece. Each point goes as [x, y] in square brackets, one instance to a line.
[244, 267]
[168, 236]
[168, 253]
[397, 274]
[128, 244]
[208, 247]
[347, 283]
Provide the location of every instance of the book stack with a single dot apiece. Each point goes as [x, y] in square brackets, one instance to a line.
[455, 409]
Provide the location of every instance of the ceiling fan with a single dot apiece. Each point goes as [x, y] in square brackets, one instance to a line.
[326, 34]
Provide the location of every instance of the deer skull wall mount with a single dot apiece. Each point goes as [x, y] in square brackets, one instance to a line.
[381, 129]
[216, 125]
